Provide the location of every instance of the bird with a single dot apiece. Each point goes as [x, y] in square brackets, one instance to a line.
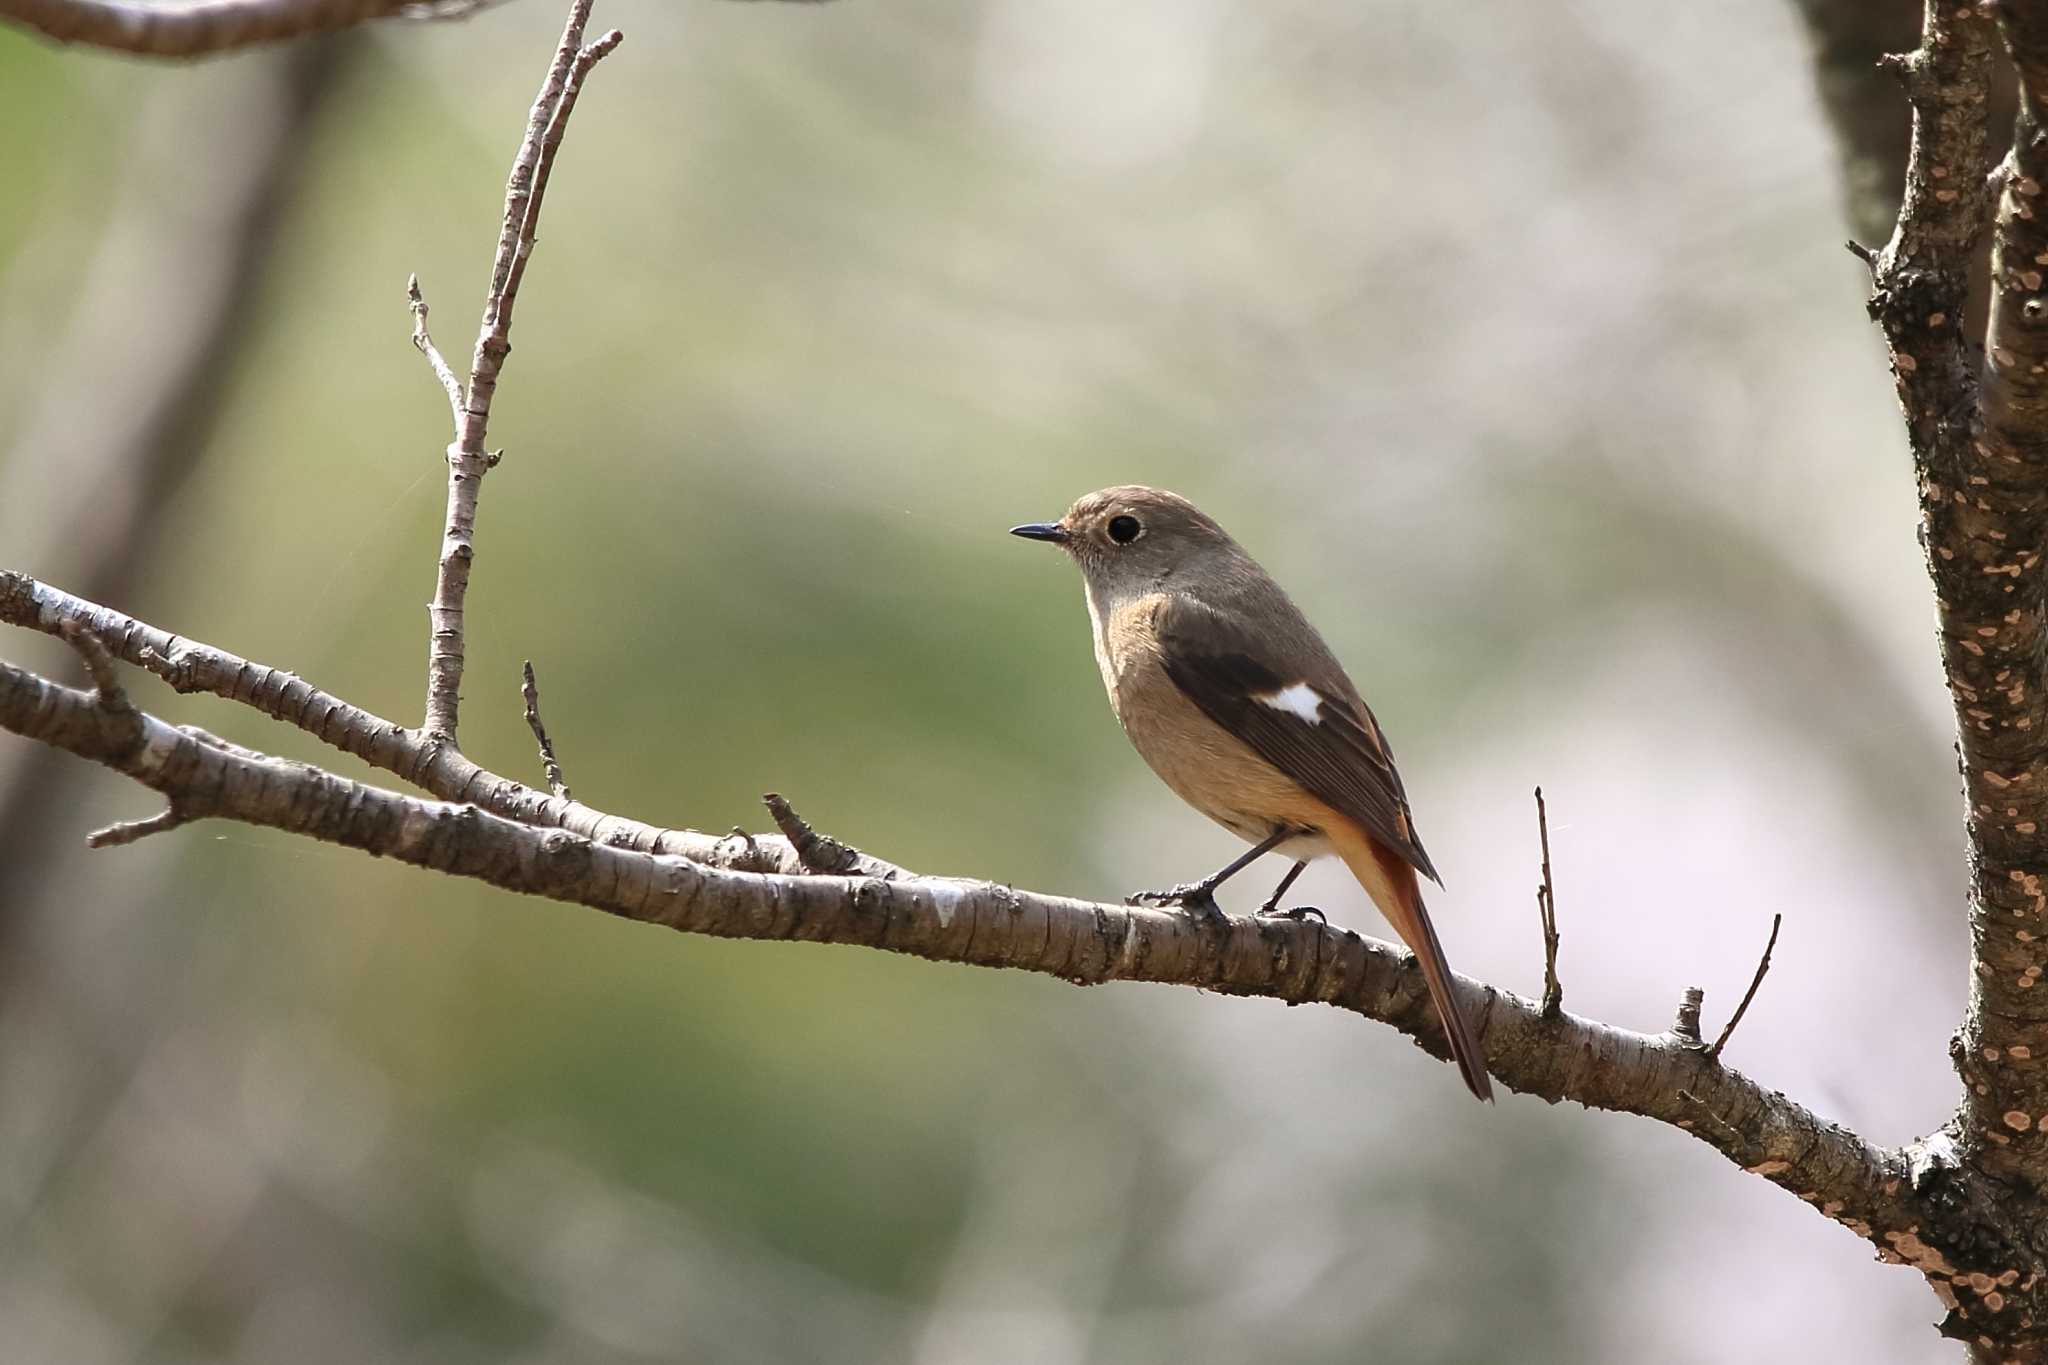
[1236, 703]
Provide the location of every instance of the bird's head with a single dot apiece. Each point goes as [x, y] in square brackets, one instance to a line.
[1131, 537]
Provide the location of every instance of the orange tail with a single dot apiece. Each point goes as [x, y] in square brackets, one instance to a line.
[1392, 884]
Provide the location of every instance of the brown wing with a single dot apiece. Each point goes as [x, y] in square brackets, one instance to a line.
[1340, 757]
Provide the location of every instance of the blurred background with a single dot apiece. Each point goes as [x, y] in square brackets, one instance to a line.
[1519, 342]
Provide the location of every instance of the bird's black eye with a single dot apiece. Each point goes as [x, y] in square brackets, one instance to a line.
[1124, 530]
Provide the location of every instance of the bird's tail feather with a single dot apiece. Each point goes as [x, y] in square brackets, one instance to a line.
[1394, 888]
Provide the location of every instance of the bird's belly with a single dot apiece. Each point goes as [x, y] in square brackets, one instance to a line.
[1208, 767]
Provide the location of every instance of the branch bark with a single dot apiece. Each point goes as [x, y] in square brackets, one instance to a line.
[1556, 1056]
[1979, 439]
[1984, 515]
[413, 755]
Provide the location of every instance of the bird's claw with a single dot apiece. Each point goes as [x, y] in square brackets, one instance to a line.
[1197, 898]
[1299, 912]
[1187, 893]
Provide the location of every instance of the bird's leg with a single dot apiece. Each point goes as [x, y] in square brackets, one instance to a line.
[1271, 909]
[1200, 896]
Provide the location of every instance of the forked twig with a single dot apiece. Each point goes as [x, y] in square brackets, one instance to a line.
[468, 460]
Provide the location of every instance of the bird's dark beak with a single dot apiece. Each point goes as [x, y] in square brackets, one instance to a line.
[1041, 530]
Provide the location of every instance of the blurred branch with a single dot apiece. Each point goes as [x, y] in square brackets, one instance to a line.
[1849, 38]
[210, 26]
[205, 28]
[468, 461]
[122, 412]
[1557, 1057]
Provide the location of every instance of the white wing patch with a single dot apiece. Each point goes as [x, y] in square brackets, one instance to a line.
[1299, 699]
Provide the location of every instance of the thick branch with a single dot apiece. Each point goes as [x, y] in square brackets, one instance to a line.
[1979, 434]
[1554, 1056]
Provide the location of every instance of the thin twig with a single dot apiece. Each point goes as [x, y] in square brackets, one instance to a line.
[521, 219]
[1546, 908]
[468, 460]
[427, 348]
[128, 831]
[1761, 967]
[531, 692]
[819, 853]
[551, 142]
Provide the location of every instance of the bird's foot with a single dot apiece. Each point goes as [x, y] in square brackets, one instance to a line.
[1197, 898]
[1299, 912]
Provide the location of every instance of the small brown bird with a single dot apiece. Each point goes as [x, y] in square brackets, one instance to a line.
[1232, 697]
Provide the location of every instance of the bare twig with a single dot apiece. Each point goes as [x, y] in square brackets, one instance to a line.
[467, 458]
[127, 832]
[425, 344]
[586, 57]
[819, 853]
[529, 690]
[1546, 910]
[1762, 966]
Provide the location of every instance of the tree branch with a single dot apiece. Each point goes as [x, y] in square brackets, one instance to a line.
[123, 413]
[414, 756]
[1979, 438]
[1556, 1056]
[1986, 514]
[210, 26]
[468, 461]
[1963, 1207]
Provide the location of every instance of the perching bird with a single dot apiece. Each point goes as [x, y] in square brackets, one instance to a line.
[1231, 696]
